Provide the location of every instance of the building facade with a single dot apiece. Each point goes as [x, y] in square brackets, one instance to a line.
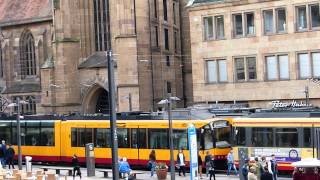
[255, 52]
[53, 54]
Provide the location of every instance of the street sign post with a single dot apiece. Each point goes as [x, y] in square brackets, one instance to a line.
[192, 137]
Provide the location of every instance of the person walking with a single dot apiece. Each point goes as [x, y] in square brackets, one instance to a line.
[10, 156]
[152, 162]
[230, 159]
[245, 169]
[76, 166]
[181, 161]
[251, 174]
[200, 165]
[273, 167]
[4, 153]
[212, 171]
[258, 167]
[266, 175]
[207, 161]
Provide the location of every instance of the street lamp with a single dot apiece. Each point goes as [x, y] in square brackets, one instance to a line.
[168, 102]
[17, 104]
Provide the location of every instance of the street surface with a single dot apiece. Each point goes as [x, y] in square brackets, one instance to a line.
[145, 176]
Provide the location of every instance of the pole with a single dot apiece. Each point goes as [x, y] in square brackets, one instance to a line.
[172, 170]
[19, 136]
[113, 120]
[130, 102]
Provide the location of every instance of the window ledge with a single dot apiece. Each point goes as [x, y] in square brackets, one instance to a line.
[215, 83]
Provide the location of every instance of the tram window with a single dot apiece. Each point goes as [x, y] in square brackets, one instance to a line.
[286, 137]
[158, 139]
[5, 132]
[138, 138]
[240, 134]
[208, 141]
[262, 137]
[101, 137]
[123, 138]
[307, 137]
[74, 138]
[88, 136]
[222, 136]
[47, 133]
[14, 132]
[81, 141]
[32, 133]
[180, 140]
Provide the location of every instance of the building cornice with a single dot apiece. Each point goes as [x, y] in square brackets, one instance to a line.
[25, 21]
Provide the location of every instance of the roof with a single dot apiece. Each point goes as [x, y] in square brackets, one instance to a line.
[96, 60]
[13, 12]
[22, 88]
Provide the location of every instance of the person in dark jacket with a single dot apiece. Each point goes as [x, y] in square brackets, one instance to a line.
[76, 166]
[181, 161]
[10, 156]
[245, 169]
[4, 151]
[212, 170]
[266, 175]
[274, 166]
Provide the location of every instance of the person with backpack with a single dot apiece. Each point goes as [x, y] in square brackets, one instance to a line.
[245, 169]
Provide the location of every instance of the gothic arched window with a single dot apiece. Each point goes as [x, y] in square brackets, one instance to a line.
[27, 55]
[100, 24]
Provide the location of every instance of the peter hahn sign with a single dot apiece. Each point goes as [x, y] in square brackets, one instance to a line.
[292, 104]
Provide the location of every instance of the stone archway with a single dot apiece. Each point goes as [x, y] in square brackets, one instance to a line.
[96, 101]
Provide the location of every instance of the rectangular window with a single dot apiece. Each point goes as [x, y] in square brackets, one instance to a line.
[301, 18]
[138, 138]
[165, 10]
[123, 138]
[5, 131]
[174, 13]
[262, 137]
[287, 137]
[304, 65]
[32, 136]
[208, 28]
[176, 42]
[155, 8]
[268, 21]
[315, 15]
[307, 142]
[102, 138]
[316, 64]
[166, 39]
[168, 60]
[180, 140]
[47, 133]
[154, 36]
[277, 67]
[245, 68]
[240, 136]
[250, 24]
[217, 71]
[219, 21]
[281, 20]
[238, 25]
[168, 87]
[158, 139]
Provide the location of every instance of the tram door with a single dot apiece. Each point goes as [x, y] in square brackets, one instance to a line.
[317, 141]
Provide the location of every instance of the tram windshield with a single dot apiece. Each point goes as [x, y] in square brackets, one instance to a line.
[217, 135]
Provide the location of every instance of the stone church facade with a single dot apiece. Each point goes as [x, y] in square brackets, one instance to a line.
[53, 54]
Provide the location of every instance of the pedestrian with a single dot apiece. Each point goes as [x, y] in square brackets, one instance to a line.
[124, 168]
[207, 161]
[212, 169]
[266, 175]
[200, 165]
[230, 159]
[4, 153]
[258, 168]
[245, 169]
[273, 167]
[76, 166]
[181, 161]
[10, 156]
[152, 162]
[251, 174]
[263, 163]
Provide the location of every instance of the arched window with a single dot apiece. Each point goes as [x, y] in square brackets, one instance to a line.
[1, 62]
[100, 24]
[27, 55]
[30, 108]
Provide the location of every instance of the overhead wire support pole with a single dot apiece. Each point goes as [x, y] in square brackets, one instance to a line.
[172, 166]
[113, 120]
[19, 135]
